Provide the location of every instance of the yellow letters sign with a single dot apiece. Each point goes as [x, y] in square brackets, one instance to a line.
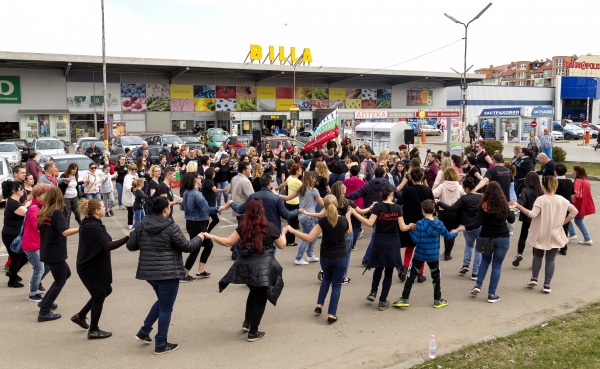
[256, 53]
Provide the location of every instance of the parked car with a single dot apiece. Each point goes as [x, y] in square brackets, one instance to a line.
[63, 161]
[569, 131]
[558, 135]
[592, 128]
[23, 145]
[213, 138]
[288, 142]
[304, 136]
[429, 130]
[193, 142]
[48, 146]
[85, 142]
[236, 141]
[5, 173]
[122, 142]
[11, 152]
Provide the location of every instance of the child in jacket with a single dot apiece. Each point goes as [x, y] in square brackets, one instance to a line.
[426, 236]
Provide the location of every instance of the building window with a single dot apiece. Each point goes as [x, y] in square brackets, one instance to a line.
[559, 62]
[522, 83]
[560, 72]
[522, 75]
[523, 66]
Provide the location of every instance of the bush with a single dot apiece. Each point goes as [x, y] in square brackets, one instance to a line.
[559, 155]
[490, 147]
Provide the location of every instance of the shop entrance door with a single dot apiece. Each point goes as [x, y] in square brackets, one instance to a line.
[269, 122]
[9, 130]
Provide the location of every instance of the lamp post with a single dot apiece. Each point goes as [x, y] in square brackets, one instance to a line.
[463, 82]
[104, 83]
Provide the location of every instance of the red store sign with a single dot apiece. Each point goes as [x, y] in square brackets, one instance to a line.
[439, 114]
[582, 65]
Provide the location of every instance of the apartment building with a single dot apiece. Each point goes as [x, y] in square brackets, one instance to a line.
[535, 73]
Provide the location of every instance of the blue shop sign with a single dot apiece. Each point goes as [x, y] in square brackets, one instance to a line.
[501, 112]
[542, 112]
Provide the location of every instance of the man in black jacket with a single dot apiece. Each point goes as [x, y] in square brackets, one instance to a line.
[94, 153]
[548, 165]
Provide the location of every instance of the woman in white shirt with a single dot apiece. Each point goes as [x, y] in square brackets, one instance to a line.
[128, 196]
[71, 194]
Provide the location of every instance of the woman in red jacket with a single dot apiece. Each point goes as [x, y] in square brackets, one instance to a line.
[584, 202]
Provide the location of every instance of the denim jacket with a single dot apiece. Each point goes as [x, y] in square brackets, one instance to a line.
[195, 206]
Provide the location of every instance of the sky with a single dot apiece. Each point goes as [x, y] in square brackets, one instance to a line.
[399, 34]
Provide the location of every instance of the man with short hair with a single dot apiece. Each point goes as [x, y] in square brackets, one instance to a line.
[548, 165]
[19, 174]
[500, 174]
[240, 190]
[164, 188]
[166, 152]
[94, 152]
[432, 168]
[48, 175]
[143, 147]
[244, 149]
[272, 203]
[368, 148]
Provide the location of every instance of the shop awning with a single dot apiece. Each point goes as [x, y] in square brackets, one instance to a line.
[46, 111]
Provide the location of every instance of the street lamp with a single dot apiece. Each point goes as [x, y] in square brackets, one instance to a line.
[104, 82]
[463, 84]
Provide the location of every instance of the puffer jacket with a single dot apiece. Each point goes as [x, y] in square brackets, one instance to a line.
[160, 242]
[526, 200]
[256, 270]
[371, 191]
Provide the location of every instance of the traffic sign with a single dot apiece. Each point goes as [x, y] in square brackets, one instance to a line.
[533, 124]
[585, 124]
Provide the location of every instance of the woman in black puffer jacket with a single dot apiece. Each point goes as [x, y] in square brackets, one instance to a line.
[256, 265]
[160, 242]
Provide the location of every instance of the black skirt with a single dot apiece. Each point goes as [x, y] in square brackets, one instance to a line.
[386, 251]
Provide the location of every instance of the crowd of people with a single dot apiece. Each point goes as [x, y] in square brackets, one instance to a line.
[329, 193]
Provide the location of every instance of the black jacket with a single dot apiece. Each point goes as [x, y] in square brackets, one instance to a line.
[160, 242]
[524, 166]
[526, 199]
[371, 191]
[466, 207]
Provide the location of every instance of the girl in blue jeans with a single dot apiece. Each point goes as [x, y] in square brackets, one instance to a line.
[333, 259]
[139, 205]
[492, 215]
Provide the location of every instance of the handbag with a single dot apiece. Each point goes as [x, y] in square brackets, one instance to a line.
[484, 245]
[16, 245]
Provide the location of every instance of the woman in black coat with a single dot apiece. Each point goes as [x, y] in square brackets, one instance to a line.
[94, 265]
[524, 165]
[256, 265]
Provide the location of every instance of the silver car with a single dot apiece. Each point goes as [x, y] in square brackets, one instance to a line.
[11, 152]
[304, 136]
[83, 163]
[48, 146]
[5, 174]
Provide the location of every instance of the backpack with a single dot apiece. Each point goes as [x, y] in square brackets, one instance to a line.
[367, 169]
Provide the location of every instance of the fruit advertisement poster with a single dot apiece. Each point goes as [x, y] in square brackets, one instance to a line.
[419, 97]
[158, 97]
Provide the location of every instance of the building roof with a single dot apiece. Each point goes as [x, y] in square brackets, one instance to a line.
[257, 72]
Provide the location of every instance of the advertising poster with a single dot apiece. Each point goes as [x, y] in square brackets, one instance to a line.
[226, 104]
[226, 92]
[348, 128]
[384, 98]
[337, 93]
[205, 104]
[456, 134]
[246, 98]
[368, 94]
[320, 104]
[179, 104]
[283, 104]
[245, 92]
[267, 104]
[43, 126]
[419, 97]
[368, 104]
[265, 92]
[158, 97]
[182, 92]
[284, 93]
[204, 92]
[353, 103]
[304, 104]
[337, 104]
[133, 97]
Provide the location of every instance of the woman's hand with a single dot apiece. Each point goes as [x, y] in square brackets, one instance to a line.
[226, 206]
[205, 236]
[301, 211]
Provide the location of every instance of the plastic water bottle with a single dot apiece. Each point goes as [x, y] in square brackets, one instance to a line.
[432, 347]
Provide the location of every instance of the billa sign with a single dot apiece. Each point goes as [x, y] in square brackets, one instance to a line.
[256, 54]
[10, 90]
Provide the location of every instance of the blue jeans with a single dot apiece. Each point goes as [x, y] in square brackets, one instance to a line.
[547, 151]
[368, 252]
[89, 196]
[495, 258]
[356, 228]
[120, 192]
[222, 185]
[166, 292]
[307, 226]
[333, 274]
[582, 228]
[138, 215]
[349, 238]
[39, 271]
[470, 237]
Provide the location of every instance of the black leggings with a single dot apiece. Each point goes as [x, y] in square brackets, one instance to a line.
[294, 223]
[60, 272]
[129, 215]
[214, 221]
[450, 221]
[255, 307]
[434, 268]
[523, 237]
[193, 228]
[95, 305]
[16, 260]
[387, 281]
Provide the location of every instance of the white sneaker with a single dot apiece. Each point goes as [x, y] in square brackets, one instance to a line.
[571, 238]
[312, 258]
[320, 235]
[122, 207]
[301, 262]
[588, 242]
[130, 226]
[360, 235]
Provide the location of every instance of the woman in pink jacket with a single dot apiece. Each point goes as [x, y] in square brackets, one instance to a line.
[31, 242]
[448, 192]
[584, 202]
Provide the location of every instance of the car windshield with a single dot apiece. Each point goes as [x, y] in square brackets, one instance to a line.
[48, 145]
[190, 139]
[216, 131]
[132, 140]
[171, 139]
[572, 126]
[7, 147]
[219, 138]
[82, 162]
[20, 144]
[85, 144]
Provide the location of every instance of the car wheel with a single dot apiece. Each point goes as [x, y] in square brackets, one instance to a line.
[438, 133]
[567, 136]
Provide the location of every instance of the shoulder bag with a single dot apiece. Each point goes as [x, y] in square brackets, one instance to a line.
[484, 245]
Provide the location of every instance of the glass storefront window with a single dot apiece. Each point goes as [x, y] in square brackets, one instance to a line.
[510, 126]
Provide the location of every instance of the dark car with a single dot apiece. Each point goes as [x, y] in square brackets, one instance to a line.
[122, 142]
[23, 145]
[193, 142]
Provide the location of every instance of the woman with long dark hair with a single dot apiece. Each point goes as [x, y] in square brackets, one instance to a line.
[385, 256]
[196, 212]
[94, 265]
[530, 192]
[256, 265]
[546, 234]
[121, 170]
[492, 216]
[337, 233]
[210, 191]
[14, 213]
[54, 230]
[398, 172]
